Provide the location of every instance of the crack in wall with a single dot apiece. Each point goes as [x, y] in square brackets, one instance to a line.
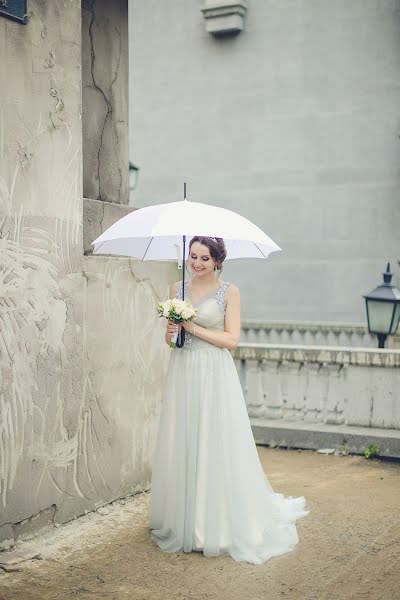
[111, 87]
[98, 88]
[102, 219]
[107, 100]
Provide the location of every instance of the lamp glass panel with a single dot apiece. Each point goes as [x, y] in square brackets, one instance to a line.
[132, 178]
[396, 319]
[380, 316]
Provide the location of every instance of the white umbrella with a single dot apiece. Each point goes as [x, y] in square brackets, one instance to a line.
[159, 232]
[155, 232]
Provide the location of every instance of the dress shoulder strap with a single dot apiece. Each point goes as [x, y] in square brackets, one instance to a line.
[178, 293]
[221, 294]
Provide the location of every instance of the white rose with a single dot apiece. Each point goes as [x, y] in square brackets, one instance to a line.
[167, 306]
[179, 308]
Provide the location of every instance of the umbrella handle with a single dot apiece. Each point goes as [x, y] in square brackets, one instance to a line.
[180, 342]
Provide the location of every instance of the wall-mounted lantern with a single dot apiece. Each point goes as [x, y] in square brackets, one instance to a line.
[383, 308]
[224, 17]
[133, 176]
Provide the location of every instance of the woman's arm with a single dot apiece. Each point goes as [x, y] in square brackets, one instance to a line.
[230, 337]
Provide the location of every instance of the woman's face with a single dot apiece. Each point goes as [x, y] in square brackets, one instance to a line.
[201, 263]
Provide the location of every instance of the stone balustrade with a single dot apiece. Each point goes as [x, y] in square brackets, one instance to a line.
[321, 384]
[312, 333]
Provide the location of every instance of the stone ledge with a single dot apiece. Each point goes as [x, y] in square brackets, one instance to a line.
[98, 215]
[224, 17]
[346, 356]
[312, 436]
[308, 326]
[303, 326]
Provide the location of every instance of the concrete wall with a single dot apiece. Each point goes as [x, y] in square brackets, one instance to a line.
[105, 99]
[295, 124]
[82, 353]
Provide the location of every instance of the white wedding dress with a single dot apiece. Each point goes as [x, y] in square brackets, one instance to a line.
[208, 489]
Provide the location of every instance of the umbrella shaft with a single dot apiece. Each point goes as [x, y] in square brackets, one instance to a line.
[181, 339]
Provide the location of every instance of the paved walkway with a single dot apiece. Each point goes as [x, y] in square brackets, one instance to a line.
[349, 546]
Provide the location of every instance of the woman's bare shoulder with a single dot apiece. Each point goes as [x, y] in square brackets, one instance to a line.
[232, 288]
[232, 295]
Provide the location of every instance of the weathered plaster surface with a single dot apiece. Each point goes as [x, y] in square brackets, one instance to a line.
[82, 355]
[98, 215]
[105, 99]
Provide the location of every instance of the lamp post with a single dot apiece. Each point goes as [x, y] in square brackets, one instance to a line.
[383, 308]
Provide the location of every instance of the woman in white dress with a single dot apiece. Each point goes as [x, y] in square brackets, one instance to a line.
[209, 492]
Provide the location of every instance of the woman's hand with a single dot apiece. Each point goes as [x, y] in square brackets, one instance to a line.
[188, 326]
[171, 329]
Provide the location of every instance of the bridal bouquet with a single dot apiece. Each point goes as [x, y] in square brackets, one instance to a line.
[177, 311]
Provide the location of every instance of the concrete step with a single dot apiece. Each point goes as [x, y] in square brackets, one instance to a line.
[312, 436]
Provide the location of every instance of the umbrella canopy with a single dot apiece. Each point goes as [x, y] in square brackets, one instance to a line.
[156, 232]
[159, 232]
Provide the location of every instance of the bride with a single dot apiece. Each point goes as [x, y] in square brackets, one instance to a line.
[209, 492]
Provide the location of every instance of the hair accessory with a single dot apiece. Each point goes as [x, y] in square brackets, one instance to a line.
[215, 239]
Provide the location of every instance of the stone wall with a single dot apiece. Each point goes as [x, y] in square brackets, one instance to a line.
[294, 123]
[82, 352]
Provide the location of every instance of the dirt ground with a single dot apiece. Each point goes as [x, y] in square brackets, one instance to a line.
[349, 546]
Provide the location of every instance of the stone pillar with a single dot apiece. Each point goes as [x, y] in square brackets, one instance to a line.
[105, 100]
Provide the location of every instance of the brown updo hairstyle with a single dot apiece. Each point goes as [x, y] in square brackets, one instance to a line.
[217, 248]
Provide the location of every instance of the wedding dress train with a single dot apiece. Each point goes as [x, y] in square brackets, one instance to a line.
[208, 489]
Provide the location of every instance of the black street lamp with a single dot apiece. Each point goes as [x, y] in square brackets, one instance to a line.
[383, 308]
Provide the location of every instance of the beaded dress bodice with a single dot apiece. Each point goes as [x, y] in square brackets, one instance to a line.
[210, 313]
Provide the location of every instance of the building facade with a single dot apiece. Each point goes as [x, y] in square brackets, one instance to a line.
[294, 123]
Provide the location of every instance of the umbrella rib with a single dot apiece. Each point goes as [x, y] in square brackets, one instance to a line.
[101, 244]
[147, 247]
[260, 251]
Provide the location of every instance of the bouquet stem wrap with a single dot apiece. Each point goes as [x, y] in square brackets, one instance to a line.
[174, 338]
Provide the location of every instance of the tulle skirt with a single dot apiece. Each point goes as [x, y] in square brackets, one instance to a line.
[209, 492]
